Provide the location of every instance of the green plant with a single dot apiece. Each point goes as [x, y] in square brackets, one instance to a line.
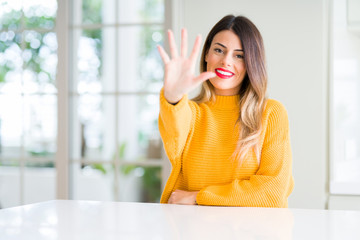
[152, 184]
[151, 177]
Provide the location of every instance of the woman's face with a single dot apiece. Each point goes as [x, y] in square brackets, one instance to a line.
[226, 58]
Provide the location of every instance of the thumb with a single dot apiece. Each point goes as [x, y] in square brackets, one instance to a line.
[204, 76]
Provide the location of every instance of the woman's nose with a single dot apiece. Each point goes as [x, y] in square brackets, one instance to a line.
[227, 60]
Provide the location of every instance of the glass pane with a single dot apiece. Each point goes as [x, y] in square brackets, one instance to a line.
[11, 118]
[93, 182]
[39, 182]
[141, 11]
[40, 13]
[40, 61]
[139, 138]
[11, 62]
[40, 125]
[91, 11]
[93, 135]
[96, 61]
[97, 11]
[140, 65]
[140, 184]
[10, 14]
[9, 186]
[345, 166]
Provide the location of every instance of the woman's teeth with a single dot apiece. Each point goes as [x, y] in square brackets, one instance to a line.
[224, 73]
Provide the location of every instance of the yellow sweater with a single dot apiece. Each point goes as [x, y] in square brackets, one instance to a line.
[199, 140]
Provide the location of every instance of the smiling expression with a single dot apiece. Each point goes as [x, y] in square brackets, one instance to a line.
[226, 58]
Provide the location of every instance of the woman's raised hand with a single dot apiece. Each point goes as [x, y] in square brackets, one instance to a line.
[179, 78]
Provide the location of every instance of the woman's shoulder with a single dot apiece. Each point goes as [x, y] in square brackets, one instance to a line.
[272, 103]
[274, 108]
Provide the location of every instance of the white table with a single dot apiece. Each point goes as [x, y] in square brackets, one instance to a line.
[66, 219]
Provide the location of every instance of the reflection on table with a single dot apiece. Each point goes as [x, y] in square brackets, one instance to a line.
[66, 219]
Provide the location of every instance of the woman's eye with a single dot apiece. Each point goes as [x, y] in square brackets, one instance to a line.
[218, 50]
[240, 56]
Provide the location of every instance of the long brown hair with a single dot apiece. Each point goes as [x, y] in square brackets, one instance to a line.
[253, 87]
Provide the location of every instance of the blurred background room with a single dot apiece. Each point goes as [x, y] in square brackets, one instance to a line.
[80, 82]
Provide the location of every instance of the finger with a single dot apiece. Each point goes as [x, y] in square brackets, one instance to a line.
[204, 76]
[172, 45]
[183, 42]
[172, 198]
[163, 54]
[195, 50]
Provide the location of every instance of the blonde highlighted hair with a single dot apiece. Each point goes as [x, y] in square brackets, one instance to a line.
[253, 87]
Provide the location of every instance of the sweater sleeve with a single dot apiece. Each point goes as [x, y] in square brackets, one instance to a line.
[174, 126]
[273, 182]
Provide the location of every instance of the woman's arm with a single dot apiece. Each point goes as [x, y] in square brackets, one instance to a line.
[174, 126]
[179, 79]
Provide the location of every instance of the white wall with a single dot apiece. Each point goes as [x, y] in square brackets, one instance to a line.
[295, 36]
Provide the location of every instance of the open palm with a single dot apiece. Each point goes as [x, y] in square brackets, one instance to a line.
[179, 78]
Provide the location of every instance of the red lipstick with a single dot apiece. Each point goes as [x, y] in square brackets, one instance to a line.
[223, 73]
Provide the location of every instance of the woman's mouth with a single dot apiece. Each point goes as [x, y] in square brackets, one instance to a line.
[223, 73]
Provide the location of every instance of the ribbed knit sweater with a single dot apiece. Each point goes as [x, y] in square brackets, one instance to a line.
[200, 139]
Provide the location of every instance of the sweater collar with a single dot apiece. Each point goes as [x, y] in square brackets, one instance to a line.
[226, 102]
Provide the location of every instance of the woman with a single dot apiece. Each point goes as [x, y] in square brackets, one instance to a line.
[229, 146]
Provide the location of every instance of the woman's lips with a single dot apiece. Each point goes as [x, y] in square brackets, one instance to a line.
[223, 73]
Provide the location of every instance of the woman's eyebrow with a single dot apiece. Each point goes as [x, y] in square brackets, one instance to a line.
[226, 47]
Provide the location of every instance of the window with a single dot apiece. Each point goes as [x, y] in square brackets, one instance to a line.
[345, 102]
[115, 78]
[28, 99]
